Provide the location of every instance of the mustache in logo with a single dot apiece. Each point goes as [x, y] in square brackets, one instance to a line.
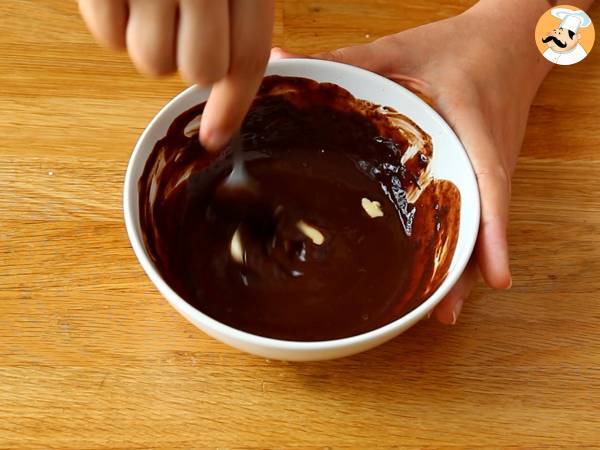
[556, 41]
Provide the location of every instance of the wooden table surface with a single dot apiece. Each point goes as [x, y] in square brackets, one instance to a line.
[92, 357]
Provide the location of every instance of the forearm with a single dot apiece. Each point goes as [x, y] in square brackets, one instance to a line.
[524, 14]
[508, 26]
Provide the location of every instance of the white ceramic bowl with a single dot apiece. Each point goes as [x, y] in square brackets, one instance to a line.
[450, 162]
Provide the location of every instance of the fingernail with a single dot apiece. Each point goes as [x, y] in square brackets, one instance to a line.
[215, 141]
[509, 283]
[456, 310]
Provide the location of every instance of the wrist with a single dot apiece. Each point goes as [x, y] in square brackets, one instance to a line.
[508, 33]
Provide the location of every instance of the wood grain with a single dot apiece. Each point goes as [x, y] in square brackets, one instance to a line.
[91, 356]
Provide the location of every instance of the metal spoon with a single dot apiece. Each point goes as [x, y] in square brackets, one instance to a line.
[238, 182]
[238, 196]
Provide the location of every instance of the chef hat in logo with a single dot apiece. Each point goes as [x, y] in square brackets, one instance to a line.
[571, 20]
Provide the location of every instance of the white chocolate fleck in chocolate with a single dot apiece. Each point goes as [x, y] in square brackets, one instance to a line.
[372, 208]
[311, 232]
[236, 249]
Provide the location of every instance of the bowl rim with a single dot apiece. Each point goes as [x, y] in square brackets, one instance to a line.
[130, 204]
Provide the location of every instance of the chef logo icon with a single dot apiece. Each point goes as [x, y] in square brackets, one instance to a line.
[564, 35]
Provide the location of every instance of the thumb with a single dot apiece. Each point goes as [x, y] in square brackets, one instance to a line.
[363, 56]
[279, 53]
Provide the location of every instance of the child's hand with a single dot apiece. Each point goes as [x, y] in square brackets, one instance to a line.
[484, 92]
[212, 42]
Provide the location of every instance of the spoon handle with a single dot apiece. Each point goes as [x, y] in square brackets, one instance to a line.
[238, 172]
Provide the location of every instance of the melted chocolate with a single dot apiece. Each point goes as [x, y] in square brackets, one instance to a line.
[316, 153]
